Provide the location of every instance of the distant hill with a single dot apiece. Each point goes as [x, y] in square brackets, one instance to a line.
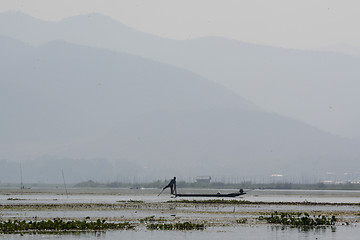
[319, 88]
[75, 102]
[61, 91]
[224, 142]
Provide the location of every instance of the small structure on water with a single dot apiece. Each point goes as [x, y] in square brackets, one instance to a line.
[203, 179]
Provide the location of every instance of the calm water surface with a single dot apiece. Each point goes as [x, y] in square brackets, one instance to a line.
[151, 195]
[35, 196]
[257, 232]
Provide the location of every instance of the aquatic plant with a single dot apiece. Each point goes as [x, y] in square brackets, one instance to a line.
[243, 202]
[130, 201]
[176, 226]
[57, 224]
[151, 219]
[242, 220]
[135, 201]
[299, 219]
[15, 199]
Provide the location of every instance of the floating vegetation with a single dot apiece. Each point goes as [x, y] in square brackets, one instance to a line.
[176, 226]
[57, 225]
[242, 221]
[243, 202]
[130, 201]
[135, 201]
[126, 204]
[151, 219]
[299, 219]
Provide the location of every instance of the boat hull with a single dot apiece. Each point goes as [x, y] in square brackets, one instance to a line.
[209, 195]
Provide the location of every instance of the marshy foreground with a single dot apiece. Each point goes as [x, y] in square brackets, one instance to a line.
[34, 211]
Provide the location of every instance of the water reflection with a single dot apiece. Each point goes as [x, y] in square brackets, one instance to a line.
[323, 232]
[243, 232]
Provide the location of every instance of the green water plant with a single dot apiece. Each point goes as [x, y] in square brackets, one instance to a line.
[242, 220]
[57, 225]
[151, 219]
[246, 202]
[176, 226]
[301, 219]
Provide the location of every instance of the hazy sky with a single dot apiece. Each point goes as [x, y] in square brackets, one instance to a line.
[306, 24]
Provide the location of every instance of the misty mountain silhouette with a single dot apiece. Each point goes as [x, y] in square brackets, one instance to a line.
[67, 100]
[319, 88]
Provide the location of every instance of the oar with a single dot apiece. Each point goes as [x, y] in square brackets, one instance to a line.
[161, 192]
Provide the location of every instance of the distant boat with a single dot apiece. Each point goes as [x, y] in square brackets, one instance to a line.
[235, 194]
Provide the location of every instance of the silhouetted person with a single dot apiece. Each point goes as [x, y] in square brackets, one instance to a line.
[172, 185]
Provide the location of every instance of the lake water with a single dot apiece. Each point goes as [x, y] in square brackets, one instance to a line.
[151, 195]
[189, 212]
[249, 233]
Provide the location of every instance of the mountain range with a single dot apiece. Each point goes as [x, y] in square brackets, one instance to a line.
[319, 88]
[70, 101]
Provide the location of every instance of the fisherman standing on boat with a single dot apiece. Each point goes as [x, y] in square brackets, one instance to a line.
[172, 185]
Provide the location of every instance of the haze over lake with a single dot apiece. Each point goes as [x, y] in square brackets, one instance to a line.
[101, 99]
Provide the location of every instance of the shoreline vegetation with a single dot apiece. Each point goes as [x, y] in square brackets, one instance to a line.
[181, 184]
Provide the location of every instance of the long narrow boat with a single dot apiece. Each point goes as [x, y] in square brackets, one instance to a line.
[235, 194]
